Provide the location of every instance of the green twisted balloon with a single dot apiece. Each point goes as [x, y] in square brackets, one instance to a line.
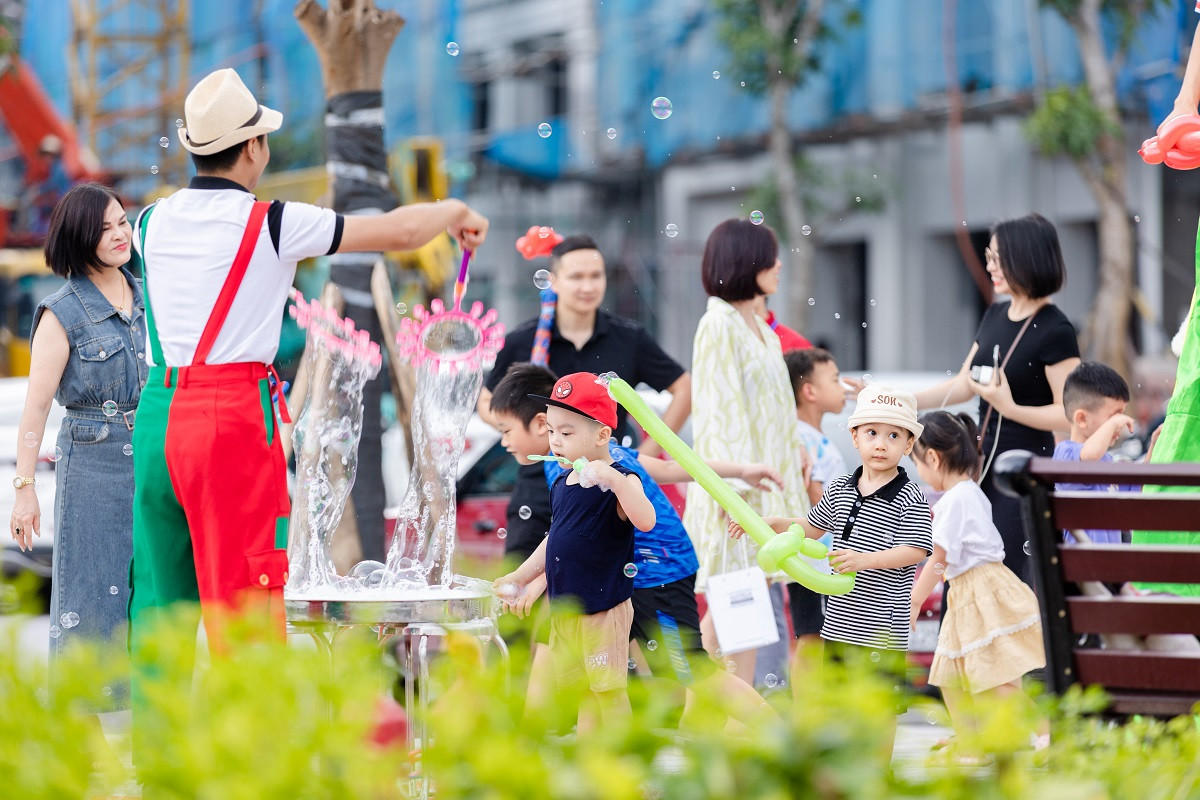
[776, 553]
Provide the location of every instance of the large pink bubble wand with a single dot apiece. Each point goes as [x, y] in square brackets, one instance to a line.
[448, 348]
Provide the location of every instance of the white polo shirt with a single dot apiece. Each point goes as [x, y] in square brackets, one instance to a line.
[192, 238]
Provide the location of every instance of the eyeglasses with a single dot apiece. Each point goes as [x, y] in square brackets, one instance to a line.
[991, 255]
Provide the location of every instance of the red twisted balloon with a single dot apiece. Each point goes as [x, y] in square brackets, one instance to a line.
[1177, 144]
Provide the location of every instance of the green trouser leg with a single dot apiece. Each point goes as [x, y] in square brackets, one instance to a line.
[163, 573]
[1179, 441]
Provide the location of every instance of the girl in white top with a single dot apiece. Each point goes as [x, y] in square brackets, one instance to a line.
[992, 633]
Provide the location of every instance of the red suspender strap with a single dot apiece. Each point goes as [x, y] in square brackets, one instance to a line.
[233, 282]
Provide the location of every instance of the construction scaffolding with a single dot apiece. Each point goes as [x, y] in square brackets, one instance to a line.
[129, 62]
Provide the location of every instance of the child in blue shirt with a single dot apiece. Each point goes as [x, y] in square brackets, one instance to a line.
[666, 620]
[1094, 397]
[587, 556]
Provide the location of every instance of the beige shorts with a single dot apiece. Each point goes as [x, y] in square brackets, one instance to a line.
[592, 648]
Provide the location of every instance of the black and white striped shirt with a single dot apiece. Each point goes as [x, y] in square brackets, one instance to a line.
[876, 612]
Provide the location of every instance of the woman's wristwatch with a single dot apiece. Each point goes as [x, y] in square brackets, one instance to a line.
[19, 482]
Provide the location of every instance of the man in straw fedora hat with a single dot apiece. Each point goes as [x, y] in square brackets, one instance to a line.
[211, 503]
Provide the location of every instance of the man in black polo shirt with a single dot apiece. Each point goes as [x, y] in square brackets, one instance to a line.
[585, 338]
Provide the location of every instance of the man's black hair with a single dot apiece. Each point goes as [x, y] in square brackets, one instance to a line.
[222, 160]
[512, 393]
[580, 241]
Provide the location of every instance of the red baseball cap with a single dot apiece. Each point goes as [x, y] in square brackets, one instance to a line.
[582, 393]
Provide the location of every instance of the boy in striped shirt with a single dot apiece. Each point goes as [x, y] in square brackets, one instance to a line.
[882, 528]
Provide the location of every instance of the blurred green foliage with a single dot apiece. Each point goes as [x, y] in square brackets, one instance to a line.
[272, 721]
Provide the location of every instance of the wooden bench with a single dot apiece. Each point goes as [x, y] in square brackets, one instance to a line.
[1138, 680]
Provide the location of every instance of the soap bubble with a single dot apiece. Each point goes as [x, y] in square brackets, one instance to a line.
[864, 326]
[837, 315]
[109, 408]
[611, 133]
[731, 666]
[543, 232]
[544, 130]
[113, 590]
[938, 569]
[69, 620]
[874, 657]
[651, 645]
[502, 533]
[806, 230]
[127, 449]
[164, 142]
[401, 308]
[364, 568]
[630, 570]
[661, 108]
[812, 301]
[154, 169]
[1027, 548]
[931, 718]
[451, 48]
[541, 279]
[771, 680]
[873, 302]
[106, 691]
[55, 631]
[857, 199]
[716, 75]
[56, 454]
[31, 439]
[672, 230]
[632, 665]
[524, 512]
[178, 123]
[756, 217]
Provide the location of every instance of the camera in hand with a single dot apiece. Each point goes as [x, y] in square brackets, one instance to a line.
[982, 373]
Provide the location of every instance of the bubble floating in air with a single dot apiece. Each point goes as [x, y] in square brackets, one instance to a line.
[661, 108]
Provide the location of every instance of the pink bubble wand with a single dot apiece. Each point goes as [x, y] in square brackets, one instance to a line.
[460, 285]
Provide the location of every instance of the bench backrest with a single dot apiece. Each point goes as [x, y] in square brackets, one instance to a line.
[1140, 680]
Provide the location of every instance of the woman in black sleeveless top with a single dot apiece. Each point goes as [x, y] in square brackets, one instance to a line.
[1021, 405]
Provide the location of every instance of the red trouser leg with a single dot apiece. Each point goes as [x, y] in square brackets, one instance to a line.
[226, 464]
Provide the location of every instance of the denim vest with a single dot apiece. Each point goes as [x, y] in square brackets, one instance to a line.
[108, 350]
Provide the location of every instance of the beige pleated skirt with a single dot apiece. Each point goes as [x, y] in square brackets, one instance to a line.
[992, 631]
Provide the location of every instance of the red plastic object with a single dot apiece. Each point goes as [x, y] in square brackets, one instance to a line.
[537, 242]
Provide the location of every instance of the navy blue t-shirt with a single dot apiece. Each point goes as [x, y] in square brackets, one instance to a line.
[664, 553]
[589, 547]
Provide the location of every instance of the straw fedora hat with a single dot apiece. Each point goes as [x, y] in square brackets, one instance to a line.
[221, 112]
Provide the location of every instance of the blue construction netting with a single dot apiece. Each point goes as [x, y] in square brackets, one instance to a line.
[889, 65]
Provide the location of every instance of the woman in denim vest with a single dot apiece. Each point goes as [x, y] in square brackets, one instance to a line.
[88, 353]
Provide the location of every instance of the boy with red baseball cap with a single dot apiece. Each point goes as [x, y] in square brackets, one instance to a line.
[588, 554]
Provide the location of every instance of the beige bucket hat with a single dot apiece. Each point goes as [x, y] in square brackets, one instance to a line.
[221, 112]
[882, 404]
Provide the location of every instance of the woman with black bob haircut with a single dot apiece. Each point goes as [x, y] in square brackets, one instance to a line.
[743, 408]
[88, 352]
[1023, 351]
